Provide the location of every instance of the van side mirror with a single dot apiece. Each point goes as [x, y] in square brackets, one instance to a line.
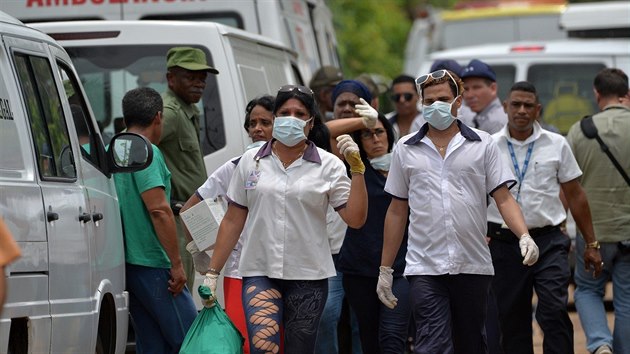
[129, 152]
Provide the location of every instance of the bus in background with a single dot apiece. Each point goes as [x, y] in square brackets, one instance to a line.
[481, 22]
[303, 25]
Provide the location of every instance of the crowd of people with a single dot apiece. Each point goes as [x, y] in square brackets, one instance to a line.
[432, 226]
[425, 230]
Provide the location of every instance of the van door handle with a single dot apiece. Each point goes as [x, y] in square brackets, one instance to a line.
[97, 216]
[85, 217]
[52, 216]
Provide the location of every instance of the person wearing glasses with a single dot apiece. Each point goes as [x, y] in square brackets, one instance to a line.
[480, 95]
[259, 125]
[544, 165]
[440, 178]
[285, 188]
[405, 98]
[382, 330]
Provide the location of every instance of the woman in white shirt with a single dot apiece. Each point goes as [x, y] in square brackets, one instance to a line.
[285, 189]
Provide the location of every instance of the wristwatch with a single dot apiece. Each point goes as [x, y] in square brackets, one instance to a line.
[594, 245]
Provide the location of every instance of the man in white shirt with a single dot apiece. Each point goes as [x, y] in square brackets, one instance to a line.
[544, 166]
[440, 177]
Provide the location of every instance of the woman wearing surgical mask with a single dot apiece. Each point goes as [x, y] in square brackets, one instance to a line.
[259, 126]
[283, 190]
[382, 330]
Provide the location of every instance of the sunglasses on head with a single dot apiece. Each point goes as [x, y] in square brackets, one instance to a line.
[406, 96]
[302, 89]
[438, 74]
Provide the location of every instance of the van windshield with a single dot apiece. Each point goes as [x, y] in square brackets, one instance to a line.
[108, 72]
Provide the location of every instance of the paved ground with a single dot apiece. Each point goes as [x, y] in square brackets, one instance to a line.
[578, 337]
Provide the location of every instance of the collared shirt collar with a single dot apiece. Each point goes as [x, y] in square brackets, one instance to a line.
[310, 154]
[189, 109]
[505, 132]
[466, 132]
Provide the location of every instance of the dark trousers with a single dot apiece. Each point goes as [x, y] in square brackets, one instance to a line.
[450, 313]
[382, 330]
[514, 283]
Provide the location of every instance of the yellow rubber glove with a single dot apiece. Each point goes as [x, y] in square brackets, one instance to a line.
[350, 151]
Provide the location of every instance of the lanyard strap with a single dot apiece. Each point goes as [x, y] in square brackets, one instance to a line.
[520, 175]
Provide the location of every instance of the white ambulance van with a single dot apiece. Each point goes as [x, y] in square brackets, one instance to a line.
[67, 291]
[113, 57]
[305, 26]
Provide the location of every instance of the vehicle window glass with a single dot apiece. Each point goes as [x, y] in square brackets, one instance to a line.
[50, 133]
[565, 91]
[505, 79]
[107, 73]
[80, 115]
[11, 159]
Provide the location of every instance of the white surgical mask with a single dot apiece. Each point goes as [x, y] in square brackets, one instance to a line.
[438, 114]
[255, 145]
[382, 162]
[289, 130]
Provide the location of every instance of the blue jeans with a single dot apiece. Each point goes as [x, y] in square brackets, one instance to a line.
[160, 319]
[382, 330]
[295, 304]
[327, 340]
[589, 295]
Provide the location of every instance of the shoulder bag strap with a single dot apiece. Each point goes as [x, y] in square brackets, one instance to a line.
[590, 131]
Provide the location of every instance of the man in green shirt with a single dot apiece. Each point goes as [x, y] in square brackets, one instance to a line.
[161, 306]
[187, 71]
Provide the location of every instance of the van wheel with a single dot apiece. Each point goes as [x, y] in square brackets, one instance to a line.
[106, 337]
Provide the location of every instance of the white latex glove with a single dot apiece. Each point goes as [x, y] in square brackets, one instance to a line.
[200, 259]
[369, 114]
[350, 151]
[211, 282]
[384, 287]
[529, 250]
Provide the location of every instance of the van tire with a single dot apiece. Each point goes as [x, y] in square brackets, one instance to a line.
[106, 336]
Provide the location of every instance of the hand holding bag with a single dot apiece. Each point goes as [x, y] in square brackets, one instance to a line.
[212, 332]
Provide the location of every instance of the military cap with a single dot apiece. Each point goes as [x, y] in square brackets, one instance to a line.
[188, 58]
[477, 68]
[326, 76]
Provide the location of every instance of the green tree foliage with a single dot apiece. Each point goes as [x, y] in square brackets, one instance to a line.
[372, 34]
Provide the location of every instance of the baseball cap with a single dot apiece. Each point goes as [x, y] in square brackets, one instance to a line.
[477, 68]
[188, 58]
[448, 64]
[326, 76]
[369, 83]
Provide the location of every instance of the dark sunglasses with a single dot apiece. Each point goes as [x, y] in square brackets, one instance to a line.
[367, 134]
[302, 89]
[406, 96]
[438, 74]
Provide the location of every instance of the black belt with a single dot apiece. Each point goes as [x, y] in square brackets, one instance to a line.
[500, 233]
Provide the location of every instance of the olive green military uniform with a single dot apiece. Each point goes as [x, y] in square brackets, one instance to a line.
[182, 152]
[180, 144]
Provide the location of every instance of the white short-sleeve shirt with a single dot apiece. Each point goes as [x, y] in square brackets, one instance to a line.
[550, 164]
[447, 200]
[287, 237]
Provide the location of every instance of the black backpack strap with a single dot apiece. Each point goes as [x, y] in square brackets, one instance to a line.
[588, 127]
[590, 131]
